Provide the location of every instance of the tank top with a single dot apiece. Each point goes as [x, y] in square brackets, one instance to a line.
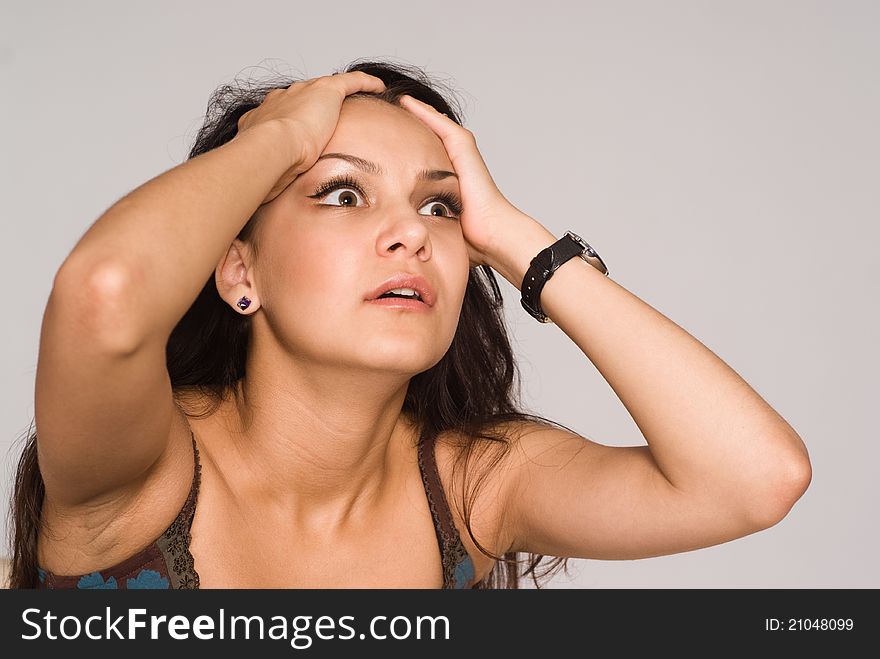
[168, 563]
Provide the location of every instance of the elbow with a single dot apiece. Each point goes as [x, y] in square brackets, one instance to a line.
[97, 302]
[793, 478]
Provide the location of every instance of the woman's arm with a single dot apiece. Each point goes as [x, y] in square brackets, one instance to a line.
[706, 427]
[103, 398]
[150, 254]
[720, 462]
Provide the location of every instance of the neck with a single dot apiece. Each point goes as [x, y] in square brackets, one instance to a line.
[316, 442]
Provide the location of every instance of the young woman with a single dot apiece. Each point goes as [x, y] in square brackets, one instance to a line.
[283, 363]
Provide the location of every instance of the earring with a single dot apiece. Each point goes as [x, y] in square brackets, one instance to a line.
[243, 303]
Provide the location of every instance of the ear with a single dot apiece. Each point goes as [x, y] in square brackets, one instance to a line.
[234, 277]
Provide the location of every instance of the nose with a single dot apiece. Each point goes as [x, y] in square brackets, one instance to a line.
[405, 234]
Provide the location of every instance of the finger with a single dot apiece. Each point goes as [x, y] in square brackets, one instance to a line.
[439, 122]
[358, 81]
[459, 142]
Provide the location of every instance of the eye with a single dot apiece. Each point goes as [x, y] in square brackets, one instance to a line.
[343, 197]
[444, 205]
[437, 208]
[345, 185]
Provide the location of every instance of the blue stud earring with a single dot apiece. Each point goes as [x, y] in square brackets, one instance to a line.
[243, 303]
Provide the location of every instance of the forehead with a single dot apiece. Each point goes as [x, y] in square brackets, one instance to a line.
[379, 131]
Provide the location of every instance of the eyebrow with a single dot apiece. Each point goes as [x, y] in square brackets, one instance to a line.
[372, 168]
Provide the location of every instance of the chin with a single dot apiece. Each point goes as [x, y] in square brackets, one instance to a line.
[408, 363]
[397, 354]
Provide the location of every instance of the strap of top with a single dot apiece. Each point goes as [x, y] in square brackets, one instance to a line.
[189, 508]
[451, 548]
[174, 543]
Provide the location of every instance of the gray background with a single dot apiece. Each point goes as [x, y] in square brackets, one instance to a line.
[722, 157]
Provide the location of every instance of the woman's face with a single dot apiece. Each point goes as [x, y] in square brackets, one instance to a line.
[322, 253]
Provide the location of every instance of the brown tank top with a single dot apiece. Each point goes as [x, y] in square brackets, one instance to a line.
[168, 563]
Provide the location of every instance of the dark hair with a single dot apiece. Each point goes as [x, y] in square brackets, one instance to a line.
[469, 393]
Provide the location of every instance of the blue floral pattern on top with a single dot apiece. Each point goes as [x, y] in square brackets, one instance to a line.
[464, 572]
[148, 579]
[95, 581]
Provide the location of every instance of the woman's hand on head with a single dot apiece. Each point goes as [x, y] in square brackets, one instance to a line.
[486, 211]
[307, 113]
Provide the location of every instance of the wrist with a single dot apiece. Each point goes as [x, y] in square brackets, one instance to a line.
[513, 251]
[276, 137]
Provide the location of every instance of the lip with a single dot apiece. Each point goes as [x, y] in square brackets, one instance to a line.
[404, 280]
[400, 303]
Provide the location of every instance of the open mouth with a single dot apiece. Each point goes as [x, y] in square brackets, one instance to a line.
[401, 293]
[404, 290]
[401, 298]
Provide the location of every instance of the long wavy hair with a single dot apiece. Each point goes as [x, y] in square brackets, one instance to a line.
[471, 393]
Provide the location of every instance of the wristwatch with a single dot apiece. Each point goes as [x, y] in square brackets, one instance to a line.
[547, 262]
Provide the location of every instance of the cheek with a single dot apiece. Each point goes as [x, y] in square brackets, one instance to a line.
[312, 269]
[459, 264]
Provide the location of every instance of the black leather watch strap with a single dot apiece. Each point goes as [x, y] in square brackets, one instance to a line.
[541, 269]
